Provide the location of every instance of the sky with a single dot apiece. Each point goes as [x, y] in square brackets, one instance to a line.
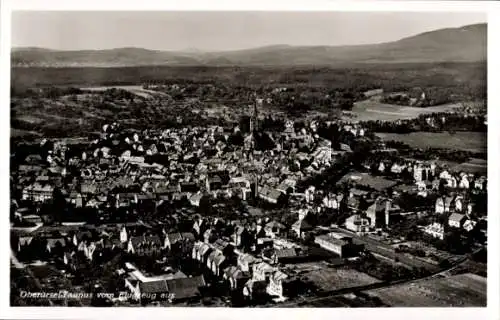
[221, 31]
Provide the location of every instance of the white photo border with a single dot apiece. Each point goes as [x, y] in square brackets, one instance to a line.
[491, 7]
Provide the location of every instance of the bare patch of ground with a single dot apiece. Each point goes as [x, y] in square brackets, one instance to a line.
[463, 290]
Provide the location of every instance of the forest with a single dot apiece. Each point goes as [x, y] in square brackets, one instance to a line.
[461, 78]
[52, 102]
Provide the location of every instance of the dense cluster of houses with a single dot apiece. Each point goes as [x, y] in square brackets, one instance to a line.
[170, 164]
[135, 172]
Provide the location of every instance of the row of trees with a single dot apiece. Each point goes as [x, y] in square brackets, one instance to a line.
[434, 122]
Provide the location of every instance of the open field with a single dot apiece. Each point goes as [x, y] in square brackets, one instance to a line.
[464, 290]
[22, 133]
[374, 110]
[465, 141]
[137, 90]
[478, 166]
[329, 279]
[365, 179]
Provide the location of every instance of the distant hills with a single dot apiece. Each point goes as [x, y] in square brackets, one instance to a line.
[464, 44]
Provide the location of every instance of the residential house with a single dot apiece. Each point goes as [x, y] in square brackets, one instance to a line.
[378, 213]
[381, 167]
[201, 251]
[155, 290]
[274, 229]
[239, 182]
[357, 223]
[397, 168]
[310, 194]
[68, 258]
[444, 204]
[480, 183]
[460, 205]
[241, 237]
[469, 225]
[333, 201]
[280, 284]
[255, 289]
[435, 230]
[85, 242]
[88, 189]
[55, 244]
[301, 227]
[199, 227]
[123, 235]
[262, 271]
[421, 172]
[38, 193]
[179, 239]
[26, 168]
[144, 244]
[270, 195]
[287, 255]
[76, 199]
[108, 244]
[183, 289]
[195, 199]
[217, 262]
[246, 261]
[213, 183]
[189, 187]
[24, 242]
[83, 235]
[225, 247]
[235, 277]
[464, 181]
[287, 186]
[451, 181]
[456, 220]
[152, 288]
[341, 245]
[210, 235]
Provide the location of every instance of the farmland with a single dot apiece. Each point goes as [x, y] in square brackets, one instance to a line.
[137, 90]
[374, 110]
[464, 290]
[474, 165]
[330, 278]
[465, 141]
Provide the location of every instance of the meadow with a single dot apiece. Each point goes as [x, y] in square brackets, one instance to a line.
[372, 109]
[465, 141]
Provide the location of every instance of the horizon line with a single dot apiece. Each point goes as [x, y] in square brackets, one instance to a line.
[195, 50]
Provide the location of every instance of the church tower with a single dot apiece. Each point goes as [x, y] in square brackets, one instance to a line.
[254, 119]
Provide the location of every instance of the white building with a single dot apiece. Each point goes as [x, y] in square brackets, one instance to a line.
[456, 220]
[436, 230]
[357, 224]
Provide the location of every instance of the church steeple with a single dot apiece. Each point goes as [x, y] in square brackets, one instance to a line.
[254, 125]
[254, 120]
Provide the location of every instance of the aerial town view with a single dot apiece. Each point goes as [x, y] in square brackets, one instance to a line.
[248, 159]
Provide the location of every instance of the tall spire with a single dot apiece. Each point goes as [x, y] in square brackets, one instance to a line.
[255, 115]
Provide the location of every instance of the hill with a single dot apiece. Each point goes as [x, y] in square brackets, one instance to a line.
[464, 44]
